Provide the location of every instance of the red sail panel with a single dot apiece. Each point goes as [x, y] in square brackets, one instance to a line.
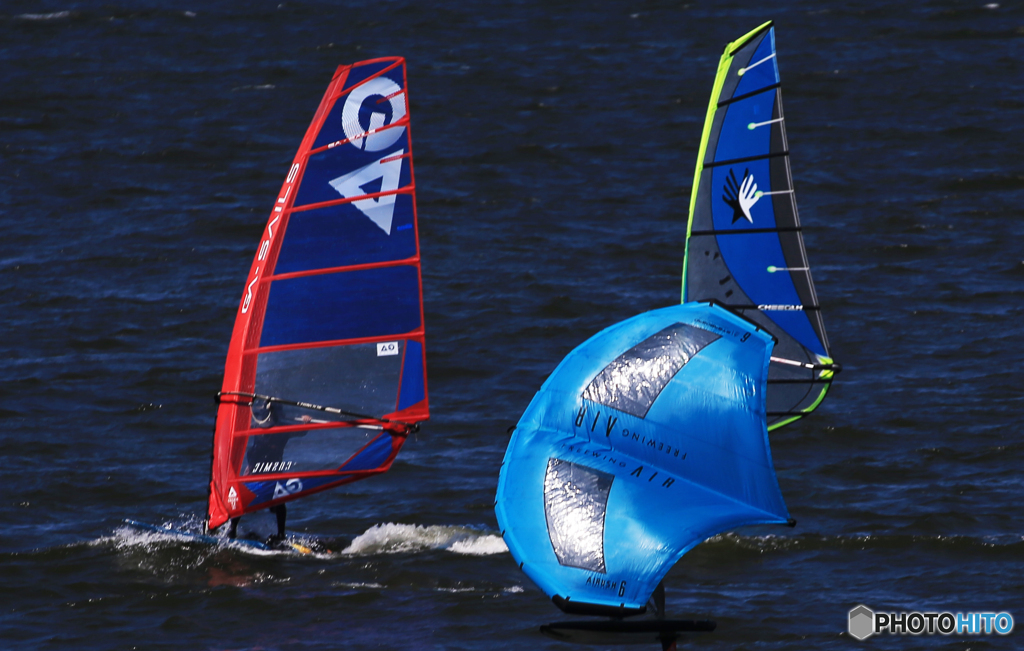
[326, 370]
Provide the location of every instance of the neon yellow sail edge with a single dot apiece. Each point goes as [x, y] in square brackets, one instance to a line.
[716, 91]
[825, 375]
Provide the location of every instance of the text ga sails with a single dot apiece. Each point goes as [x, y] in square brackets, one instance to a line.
[268, 238]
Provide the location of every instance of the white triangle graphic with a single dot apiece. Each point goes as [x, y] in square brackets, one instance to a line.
[380, 210]
[232, 497]
[279, 491]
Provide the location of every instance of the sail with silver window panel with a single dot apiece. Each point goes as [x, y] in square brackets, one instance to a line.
[326, 369]
[647, 439]
[744, 246]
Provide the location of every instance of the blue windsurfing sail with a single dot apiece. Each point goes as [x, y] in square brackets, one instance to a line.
[647, 439]
[744, 246]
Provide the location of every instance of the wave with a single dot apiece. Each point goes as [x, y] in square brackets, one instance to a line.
[128, 538]
[1010, 544]
[395, 538]
[56, 15]
[392, 538]
[386, 538]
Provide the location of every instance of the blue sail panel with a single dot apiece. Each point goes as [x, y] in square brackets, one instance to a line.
[360, 378]
[647, 439]
[413, 387]
[348, 173]
[753, 251]
[761, 71]
[343, 236]
[313, 450]
[373, 456]
[747, 130]
[359, 74]
[379, 302]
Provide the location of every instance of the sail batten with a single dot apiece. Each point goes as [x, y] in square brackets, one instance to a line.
[746, 159]
[330, 270]
[337, 342]
[748, 231]
[332, 310]
[726, 102]
[346, 200]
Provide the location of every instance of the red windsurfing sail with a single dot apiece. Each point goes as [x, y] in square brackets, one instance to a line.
[326, 370]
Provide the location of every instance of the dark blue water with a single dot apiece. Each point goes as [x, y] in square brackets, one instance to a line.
[141, 147]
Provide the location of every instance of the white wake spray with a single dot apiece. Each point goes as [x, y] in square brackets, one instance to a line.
[392, 538]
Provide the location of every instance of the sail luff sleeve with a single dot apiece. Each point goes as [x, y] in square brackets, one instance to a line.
[723, 70]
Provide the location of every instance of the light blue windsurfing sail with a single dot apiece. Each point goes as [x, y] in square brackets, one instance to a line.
[744, 246]
[647, 439]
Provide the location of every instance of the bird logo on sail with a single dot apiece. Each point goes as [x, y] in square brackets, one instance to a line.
[741, 196]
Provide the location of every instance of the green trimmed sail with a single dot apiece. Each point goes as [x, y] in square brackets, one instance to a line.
[744, 247]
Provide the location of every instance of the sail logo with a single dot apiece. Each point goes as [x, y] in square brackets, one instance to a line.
[389, 348]
[605, 584]
[232, 498]
[377, 205]
[780, 308]
[367, 118]
[373, 136]
[740, 196]
[271, 466]
[290, 487]
[261, 257]
[609, 426]
[601, 454]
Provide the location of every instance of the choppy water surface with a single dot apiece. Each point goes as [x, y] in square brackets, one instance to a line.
[142, 144]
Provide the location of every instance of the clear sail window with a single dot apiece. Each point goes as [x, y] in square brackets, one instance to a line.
[324, 449]
[575, 502]
[361, 378]
[637, 377]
